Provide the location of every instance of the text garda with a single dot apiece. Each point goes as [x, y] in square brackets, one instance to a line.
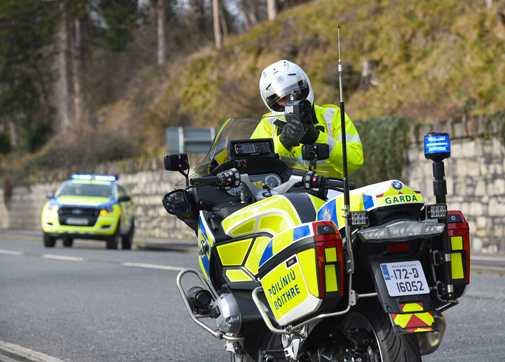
[399, 199]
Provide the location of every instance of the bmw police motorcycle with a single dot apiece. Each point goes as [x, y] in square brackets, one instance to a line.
[297, 266]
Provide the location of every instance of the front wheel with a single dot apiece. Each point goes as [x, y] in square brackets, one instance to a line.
[68, 242]
[127, 239]
[113, 240]
[386, 346]
[49, 241]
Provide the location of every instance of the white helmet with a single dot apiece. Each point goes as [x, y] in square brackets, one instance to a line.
[279, 80]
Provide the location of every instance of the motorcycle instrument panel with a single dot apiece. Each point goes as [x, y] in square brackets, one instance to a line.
[269, 180]
[262, 147]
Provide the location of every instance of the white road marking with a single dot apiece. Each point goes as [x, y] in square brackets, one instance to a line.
[485, 267]
[153, 266]
[9, 252]
[59, 257]
[73, 258]
[484, 258]
[6, 359]
[27, 353]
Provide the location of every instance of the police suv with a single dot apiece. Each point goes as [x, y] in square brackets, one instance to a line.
[90, 207]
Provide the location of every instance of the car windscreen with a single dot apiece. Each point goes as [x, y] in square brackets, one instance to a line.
[94, 190]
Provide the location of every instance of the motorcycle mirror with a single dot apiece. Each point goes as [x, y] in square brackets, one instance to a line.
[176, 162]
[177, 203]
[311, 151]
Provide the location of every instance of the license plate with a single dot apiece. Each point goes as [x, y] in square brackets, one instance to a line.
[76, 221]
[405, 278]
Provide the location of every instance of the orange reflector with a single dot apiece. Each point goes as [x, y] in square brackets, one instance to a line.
[103, 212]
[396, 247]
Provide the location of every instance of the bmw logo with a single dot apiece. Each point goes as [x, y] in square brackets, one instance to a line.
[397, 185]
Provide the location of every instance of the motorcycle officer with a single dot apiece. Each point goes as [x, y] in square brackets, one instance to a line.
[276, 84]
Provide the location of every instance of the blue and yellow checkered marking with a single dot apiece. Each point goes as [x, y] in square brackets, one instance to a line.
[298, 233]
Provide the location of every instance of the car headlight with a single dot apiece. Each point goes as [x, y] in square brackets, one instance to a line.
[53, 207]
[106, 210]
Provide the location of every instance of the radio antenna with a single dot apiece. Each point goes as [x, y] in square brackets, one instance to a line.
[347, 207]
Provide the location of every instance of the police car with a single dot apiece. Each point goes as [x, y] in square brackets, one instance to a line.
[90, 207]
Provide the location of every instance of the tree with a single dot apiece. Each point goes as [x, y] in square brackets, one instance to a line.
[118, 21]
[249, 9]
[162, 26]
[272, 9]
[198, 12]
[62, 86]
[26, 36]
[217, 24]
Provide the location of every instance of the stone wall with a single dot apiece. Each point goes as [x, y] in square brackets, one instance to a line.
[148, 182]
[475, 176]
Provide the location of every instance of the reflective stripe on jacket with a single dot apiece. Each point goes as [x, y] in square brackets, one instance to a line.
[328, 117]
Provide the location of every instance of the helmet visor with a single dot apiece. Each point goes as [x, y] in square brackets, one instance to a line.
[278, 93]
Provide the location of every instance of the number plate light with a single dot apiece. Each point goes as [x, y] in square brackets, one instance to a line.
[436, 211]
[402, 230]
[358, 218]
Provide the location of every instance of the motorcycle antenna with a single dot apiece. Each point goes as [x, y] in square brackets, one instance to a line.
[347, 207]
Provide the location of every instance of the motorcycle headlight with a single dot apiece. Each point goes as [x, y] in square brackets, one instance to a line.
[401, 230]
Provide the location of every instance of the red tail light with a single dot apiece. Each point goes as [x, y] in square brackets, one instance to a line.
[397, 247]
[330, 259]
[459, 239]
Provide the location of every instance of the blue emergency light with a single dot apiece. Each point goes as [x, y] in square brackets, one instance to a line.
[437, 146]
[96, 177]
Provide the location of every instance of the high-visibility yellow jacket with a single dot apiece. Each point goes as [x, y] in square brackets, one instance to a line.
[329, 125]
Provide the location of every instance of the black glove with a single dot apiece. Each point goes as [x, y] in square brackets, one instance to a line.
[309, 134]
[291, 133]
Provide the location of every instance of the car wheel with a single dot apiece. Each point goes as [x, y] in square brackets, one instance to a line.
[49, 241]
[127, 240]
[68, 242]
[113, 240]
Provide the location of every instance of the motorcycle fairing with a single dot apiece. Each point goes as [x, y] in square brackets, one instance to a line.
[205, 243]
[383, 194]
[272, 215]
[239, 260]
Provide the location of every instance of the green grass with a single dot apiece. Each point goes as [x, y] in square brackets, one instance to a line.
[434, 55]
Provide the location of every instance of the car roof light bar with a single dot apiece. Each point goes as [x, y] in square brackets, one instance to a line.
[96, 177]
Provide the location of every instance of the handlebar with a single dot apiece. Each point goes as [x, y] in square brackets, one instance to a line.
[205, 180]
[226, 179]
[231, 178]
[327, 182]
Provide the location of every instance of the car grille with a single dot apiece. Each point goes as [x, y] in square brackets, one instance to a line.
[80, 213]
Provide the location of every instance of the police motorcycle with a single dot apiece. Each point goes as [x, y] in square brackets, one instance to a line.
[290, 274]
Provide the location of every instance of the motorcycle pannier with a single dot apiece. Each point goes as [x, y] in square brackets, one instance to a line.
[302, 270]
